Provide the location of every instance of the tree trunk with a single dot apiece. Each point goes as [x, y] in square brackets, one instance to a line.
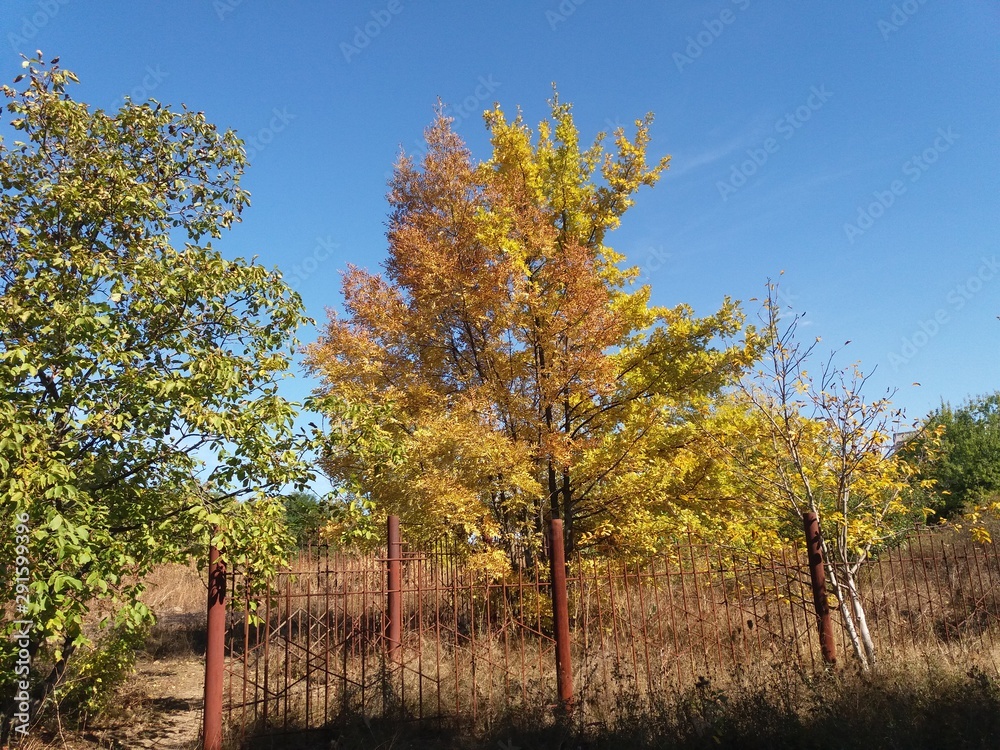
[845, 610]
[859, 615]
[40, 692]
[570, 530]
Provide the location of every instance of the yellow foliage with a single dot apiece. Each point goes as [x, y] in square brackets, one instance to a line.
[798, 444]
[490, 565]
[518, 374]
[981, 535]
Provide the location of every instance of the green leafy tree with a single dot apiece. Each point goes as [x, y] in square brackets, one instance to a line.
[965, 467]
[138, 366]
[305, 516]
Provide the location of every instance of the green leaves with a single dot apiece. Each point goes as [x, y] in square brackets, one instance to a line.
[138, 376]
[957, 456]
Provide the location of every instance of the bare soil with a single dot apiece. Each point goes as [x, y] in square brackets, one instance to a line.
[159, 707]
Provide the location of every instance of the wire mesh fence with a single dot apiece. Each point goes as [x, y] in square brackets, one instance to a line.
[475, 646]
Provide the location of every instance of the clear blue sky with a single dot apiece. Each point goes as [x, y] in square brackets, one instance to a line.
[786, 123]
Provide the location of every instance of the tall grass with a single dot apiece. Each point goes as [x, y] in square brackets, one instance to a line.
[923, 703]
[688, 650]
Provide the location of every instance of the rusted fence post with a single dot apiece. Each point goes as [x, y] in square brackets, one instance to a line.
[560, 615]
[215, 651]
[817, 574]
[394, 603]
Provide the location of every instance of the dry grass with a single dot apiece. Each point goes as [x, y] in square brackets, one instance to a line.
[474, 652]
[177, 594]
[174, 589]
[928, 704]
[159, 698]
[701, 649]
[660, 660]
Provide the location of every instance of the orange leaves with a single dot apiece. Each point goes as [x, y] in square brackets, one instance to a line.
[522, 370]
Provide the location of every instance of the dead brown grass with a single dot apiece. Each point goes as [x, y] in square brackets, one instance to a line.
[176, 589]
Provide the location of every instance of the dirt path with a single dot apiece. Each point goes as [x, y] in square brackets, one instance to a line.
[161, 708]
[175, 691]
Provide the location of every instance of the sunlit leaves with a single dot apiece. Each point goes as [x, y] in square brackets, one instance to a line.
[957, 456]
[138, 365]
[817, 443]
[517, 373]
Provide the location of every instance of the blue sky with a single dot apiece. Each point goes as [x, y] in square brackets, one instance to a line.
[853, 145]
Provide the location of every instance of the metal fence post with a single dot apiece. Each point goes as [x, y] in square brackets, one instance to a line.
[560, 614]
[215, 651]
[394, 590]
[814, 546]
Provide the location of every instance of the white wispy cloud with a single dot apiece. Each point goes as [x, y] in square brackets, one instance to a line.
[758, 129]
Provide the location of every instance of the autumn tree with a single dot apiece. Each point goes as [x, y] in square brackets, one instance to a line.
[816, 443]
[138, 366]
[519, 373]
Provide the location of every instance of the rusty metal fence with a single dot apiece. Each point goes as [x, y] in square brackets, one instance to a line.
[462, 646]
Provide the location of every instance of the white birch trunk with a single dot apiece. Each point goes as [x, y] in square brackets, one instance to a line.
[860, 617]
[846, 615]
